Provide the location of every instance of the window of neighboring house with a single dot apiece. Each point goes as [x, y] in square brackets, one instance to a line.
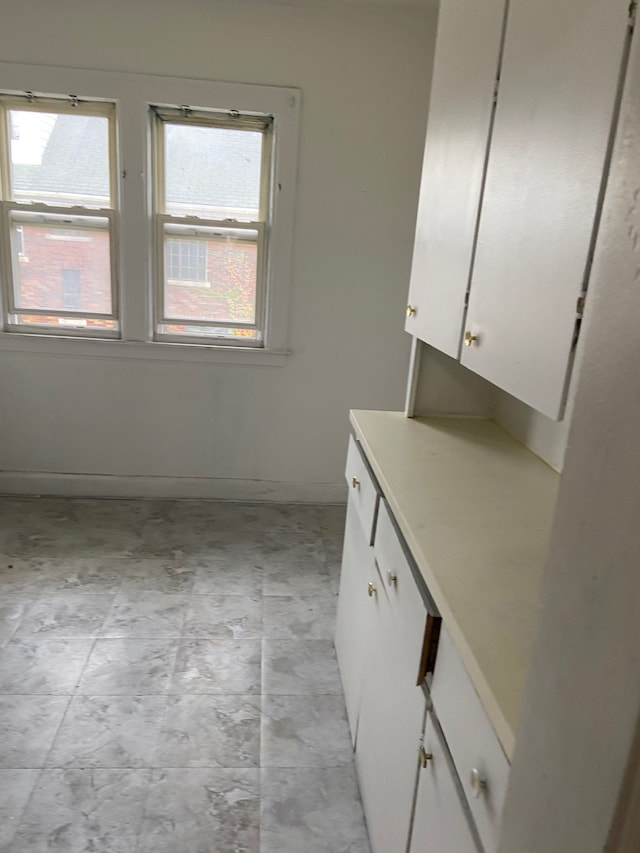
[71, 293]
[57, 170]
[186, 261]
[212, 217]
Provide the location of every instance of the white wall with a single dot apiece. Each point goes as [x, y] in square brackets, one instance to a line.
[274, 432]
[546, 438]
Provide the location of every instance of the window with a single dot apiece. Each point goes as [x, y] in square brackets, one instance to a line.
[211, 208]
[186, 260]
[124, 215]
[58, 215]
[71, 290]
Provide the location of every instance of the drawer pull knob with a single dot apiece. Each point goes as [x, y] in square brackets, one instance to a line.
[371, 589]
[478, 783]
[411, 310]
[469, 339]
[393, 578]
[425, 757]
[355, 482]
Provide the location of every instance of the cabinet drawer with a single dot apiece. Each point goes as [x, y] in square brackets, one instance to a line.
[408, 612]
[472, 741]
[363, 492]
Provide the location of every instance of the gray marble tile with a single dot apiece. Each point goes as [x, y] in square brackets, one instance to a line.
[84, 574]
[304, 731]
[65, 614]
[296, 551]
[335, 571]
[210, 731]
[76, 811]
[333, 548]
[15, 789]
[128, 667]
[331, 518]
[11, 609]
[298, 667]
[217, 666]
[202, 811]
[299, 519]
[25, 576]
[286, 617]
[156, 574]
[28, 725]
[237, 617]
[43, 664]
[55, 541]
[315, 810]
[109, 731]
[297, 579]
[234, 570]
[145, 615]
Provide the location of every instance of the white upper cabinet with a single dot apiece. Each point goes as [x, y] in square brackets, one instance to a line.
[460, 112]
[561, 68]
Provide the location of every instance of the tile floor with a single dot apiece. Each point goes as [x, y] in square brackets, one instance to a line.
[168, 682]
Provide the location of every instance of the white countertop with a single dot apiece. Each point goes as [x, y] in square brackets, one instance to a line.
[475, 508]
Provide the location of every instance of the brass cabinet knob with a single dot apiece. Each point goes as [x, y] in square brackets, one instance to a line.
[425, 757]
[411, 310]
[355, 482]
[393, 578]
[478, 783]
[469, 338]
[371, 589]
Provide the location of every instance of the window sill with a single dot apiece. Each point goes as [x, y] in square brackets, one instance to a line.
[140, 350]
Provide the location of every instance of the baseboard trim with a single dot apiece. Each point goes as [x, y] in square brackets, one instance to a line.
[195, 488]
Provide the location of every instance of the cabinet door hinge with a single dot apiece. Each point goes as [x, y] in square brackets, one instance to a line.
[580, 304]
[496, 86]
[633, 9]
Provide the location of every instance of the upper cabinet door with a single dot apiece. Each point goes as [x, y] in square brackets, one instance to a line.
[466, 65]
[561, 68]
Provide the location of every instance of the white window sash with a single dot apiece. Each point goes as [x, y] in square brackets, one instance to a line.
[198, 227]
[75, 217]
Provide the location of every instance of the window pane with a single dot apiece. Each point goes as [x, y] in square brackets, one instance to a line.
[70, 323]
[212, 172]
[59, 158]
[225, 290]
[231, 335]
[62, 268]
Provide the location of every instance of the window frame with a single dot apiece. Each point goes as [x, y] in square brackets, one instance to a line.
[76, 217]
[132, 94]
[160, 116]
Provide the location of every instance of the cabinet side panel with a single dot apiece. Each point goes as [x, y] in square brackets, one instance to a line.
[466, 63]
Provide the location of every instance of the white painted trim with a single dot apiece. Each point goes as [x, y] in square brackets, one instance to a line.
[207, 488]
[141, 351]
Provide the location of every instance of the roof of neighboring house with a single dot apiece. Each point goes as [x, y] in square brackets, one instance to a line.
[220, 168]
[75, 161]
[226, 173]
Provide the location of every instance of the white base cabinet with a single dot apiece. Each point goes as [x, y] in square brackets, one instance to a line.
[441, 823]
[380, 631]
[392, 706]
[386, 631]
[355, 614]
